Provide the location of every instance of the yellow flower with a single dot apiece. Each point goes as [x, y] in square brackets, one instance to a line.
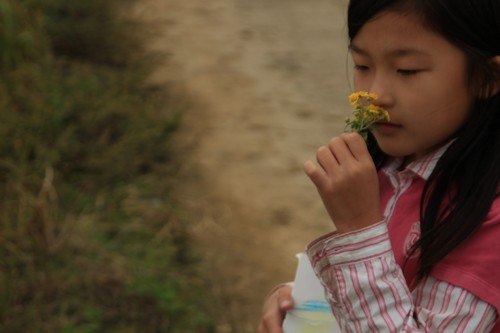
[367, 95]
[353, 98]
[365, 114]
[361, 97]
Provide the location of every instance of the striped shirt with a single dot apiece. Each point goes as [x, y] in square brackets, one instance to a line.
[362, 273]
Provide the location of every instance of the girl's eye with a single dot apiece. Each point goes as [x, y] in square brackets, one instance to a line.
[408, 71]
[361, 68]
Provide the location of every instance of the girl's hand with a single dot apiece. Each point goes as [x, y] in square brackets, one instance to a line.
[347, 182]
[274, 310]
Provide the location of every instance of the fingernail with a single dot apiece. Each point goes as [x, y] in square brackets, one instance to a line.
[285, 304]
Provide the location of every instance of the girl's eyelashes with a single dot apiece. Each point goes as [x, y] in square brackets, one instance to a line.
[404, 72]
[361, 68]
[408, 72]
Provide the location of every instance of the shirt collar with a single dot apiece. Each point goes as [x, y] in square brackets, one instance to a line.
[422, 167]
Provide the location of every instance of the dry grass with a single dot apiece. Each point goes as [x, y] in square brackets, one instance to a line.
[87, 170]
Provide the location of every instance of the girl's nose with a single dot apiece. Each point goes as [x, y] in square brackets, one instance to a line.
[382, 88]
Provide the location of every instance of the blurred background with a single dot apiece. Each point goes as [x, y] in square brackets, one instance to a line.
[151, 158]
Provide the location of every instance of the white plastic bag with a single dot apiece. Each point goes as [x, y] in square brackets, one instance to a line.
[311, 313]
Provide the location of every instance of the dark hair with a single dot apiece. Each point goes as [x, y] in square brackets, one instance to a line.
[460, 191]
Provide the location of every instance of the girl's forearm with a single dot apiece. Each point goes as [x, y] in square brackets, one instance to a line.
[368, 292]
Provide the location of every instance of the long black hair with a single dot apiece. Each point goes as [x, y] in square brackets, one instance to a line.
[465, 181]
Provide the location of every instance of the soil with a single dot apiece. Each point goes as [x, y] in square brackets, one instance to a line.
[267, 81]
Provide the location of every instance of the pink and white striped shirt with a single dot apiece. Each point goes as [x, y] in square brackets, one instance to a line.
[369, 291]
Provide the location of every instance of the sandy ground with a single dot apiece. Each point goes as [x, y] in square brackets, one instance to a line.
[268, 83]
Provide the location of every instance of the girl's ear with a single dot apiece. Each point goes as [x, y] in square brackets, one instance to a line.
[492, 86]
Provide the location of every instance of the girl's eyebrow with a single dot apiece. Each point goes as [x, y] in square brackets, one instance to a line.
[355, 49]
[403, 52]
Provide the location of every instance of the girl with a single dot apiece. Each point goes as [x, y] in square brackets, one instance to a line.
[417, 208]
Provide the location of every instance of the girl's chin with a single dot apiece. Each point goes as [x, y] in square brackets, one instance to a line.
[392, 147]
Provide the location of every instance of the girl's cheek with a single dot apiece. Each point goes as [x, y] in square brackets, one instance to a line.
[362, 87]
[357, 84]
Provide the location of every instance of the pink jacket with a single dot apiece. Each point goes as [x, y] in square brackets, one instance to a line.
[369, 286]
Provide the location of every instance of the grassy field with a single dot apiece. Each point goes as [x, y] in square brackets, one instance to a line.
[91, 238]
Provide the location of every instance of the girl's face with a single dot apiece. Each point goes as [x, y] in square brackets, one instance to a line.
[420, 79]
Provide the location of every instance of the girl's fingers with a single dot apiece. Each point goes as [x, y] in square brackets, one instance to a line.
[285, 299]
[356, 146]
[330, 158]
[340, 159]
[271, 325]
[317, 176]
[339, 149]
[326, 159]
[275, 308]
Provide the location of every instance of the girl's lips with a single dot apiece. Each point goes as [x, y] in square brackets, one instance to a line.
[386, 127]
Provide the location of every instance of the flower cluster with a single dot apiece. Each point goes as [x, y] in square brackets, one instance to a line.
[365, 114]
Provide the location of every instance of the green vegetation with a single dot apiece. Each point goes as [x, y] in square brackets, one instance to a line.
[90, 236]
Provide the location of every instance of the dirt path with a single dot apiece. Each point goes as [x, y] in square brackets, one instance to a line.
[268, 83]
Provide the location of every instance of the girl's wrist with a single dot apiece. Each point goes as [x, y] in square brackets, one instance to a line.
[359, 222]
[348, 228]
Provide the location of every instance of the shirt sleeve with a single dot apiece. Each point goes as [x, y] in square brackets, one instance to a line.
[367, 291]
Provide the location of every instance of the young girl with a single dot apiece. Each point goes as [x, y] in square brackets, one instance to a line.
[416, 208]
